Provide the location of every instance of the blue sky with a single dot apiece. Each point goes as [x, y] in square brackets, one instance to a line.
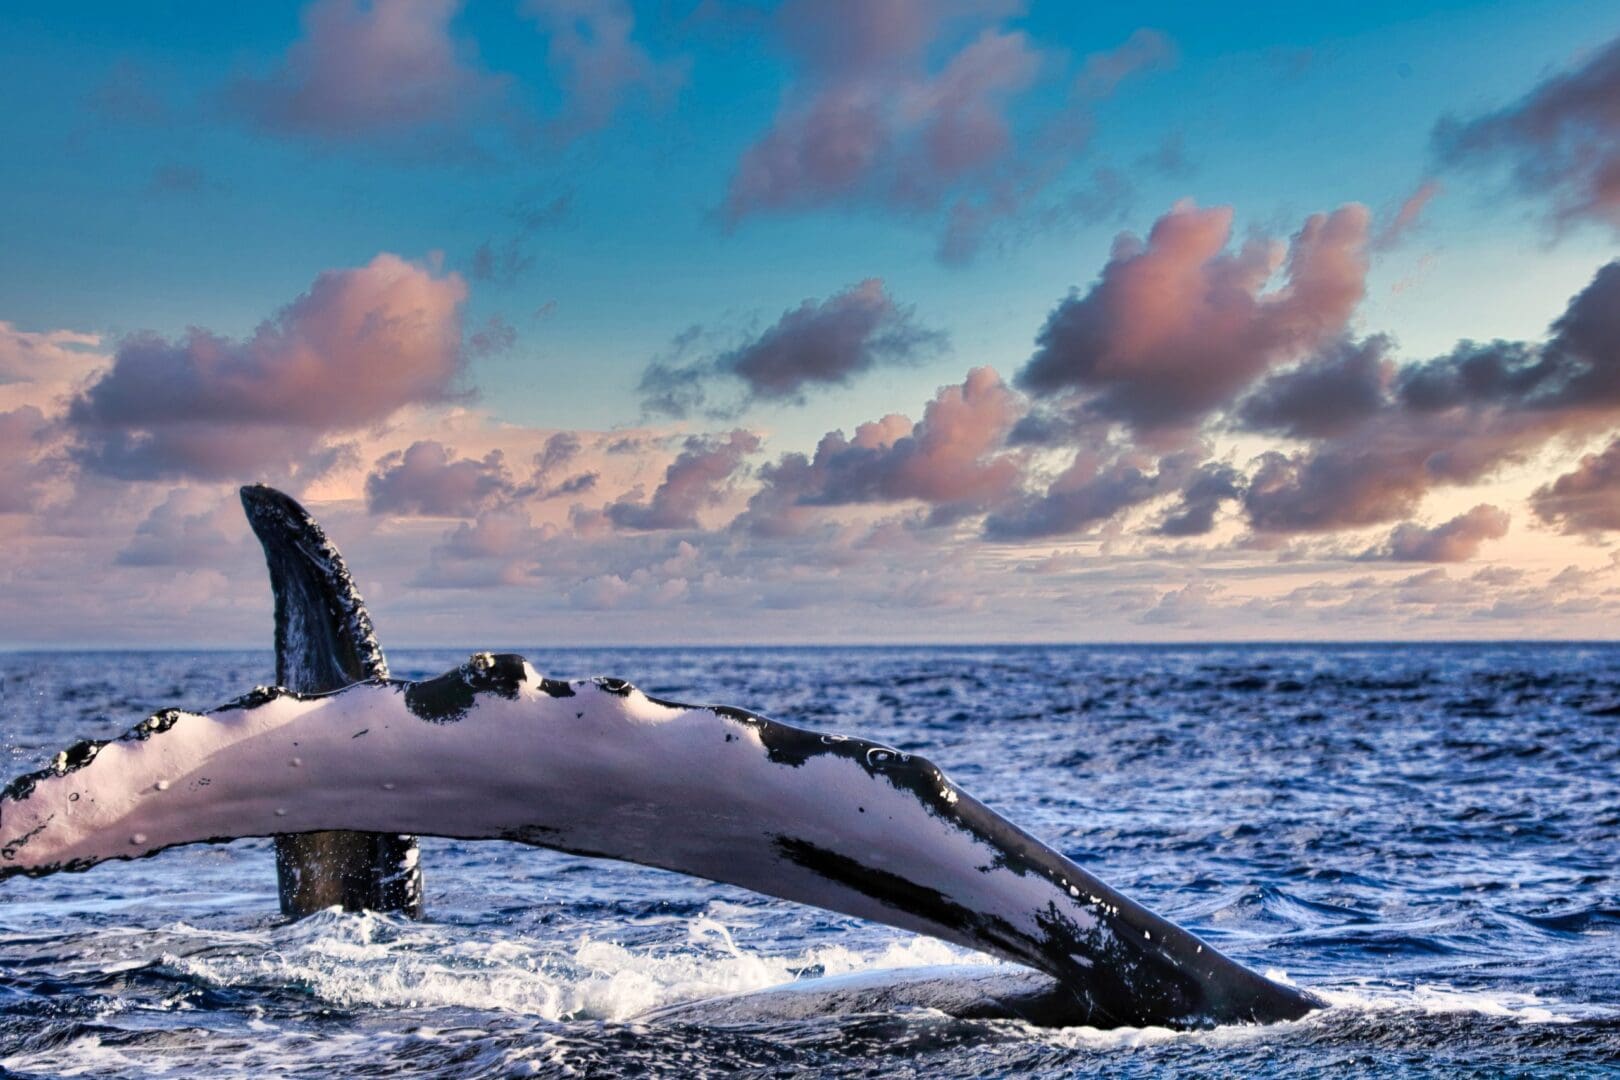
[145, 193]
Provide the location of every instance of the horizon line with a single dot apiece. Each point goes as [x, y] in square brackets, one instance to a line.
[755, 646]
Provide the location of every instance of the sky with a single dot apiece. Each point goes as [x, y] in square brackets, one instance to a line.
[591, 322]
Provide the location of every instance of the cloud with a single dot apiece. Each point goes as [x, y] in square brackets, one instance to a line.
[496, 534]
[1406, 217]
[699, 478]
[1032, 192]
[972, 223]
[23, 435]
[814, 344]
[30, 357]
[1381, 470]
[952, 460]
[559, 450]
[1586, 499]
[376, 72]
[428, 480]
[592, 54]
[1453, 419]
[186, 530]
[873, 124]
[1560, 142]
[1457, 540]
[578, 484]
[908, 107]
[505, 260]
[897, 106]
[1094, 489]
[496, 549]
[1335, 487]
[1329, 393]
[500, 263]
[358, 346]
[1177, 326]
[1144, 50]
[831, 342]
[1576, 370]
[1573, 376]
[642, 588]
[495, 336]
[1189, 605]
[1211, 486]
[38, 367]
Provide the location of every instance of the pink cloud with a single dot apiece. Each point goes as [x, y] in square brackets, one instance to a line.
[815, 344]
[870, 119]
[1177, 326]
[1213, 485]
[378, 70]
[1561, 141]
[37, 367]
[1585, 499]
[358, 346]
[1331, 392]
[1097, 487]
[1457, 540]
[1014, 198]
[427, 479]
[548, 483]
[1407, 216]
[23, 470]
[187, 530]
[593, 55]
[1144, 50]
[1337, 486]
[908, 107]
[965, 126]
[953, 460]
[699, 478]
[496, 549]
[1451, 420]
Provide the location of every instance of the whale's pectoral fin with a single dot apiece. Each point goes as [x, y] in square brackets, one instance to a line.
[324, 642]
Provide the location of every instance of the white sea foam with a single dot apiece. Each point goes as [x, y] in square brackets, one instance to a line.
[391, 965]
[1435, 999]
[87, 1055]
[367, 960]
[380, 962]
[1368, 996]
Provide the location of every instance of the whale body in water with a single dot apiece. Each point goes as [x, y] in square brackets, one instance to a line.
[496, 749]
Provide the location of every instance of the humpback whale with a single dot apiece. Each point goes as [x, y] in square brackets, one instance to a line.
[324, 641]
[495, 749]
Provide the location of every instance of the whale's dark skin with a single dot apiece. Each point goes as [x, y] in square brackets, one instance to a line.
[324, 642]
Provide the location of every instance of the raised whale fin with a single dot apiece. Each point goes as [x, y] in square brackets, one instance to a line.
[324, 642]
[495, 751]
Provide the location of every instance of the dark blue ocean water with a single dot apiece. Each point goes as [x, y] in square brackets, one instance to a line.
[1429, 836]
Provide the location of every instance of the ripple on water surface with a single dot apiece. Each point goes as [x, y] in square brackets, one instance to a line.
[1424, 835]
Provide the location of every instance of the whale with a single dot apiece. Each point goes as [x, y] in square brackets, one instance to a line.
[324, 641]
[495, 749]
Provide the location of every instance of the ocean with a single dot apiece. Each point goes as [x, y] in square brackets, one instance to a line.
[1427, 836]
